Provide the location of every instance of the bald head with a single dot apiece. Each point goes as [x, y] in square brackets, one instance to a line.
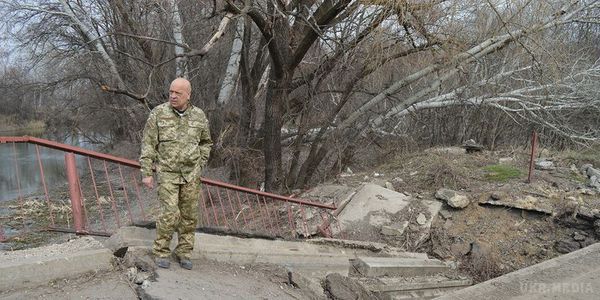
[183, 83]
[179, 93]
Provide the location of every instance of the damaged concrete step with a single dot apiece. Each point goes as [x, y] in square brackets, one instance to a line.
[395, 266]
[421, 287]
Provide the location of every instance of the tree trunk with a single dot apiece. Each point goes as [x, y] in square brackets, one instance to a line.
[233, 66]
[181, 61]
[277, 92]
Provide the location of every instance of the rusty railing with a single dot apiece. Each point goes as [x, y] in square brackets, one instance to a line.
[103, 192]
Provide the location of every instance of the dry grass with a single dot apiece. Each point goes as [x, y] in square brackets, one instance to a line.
[36, 208]
[482, 268]
[446, 175]
[587, 156]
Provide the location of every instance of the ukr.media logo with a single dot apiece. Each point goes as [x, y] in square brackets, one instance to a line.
[557, 288]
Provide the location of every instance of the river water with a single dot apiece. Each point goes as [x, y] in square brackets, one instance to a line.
[27, 166]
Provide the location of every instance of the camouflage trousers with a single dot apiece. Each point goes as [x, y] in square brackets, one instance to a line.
[178, 213]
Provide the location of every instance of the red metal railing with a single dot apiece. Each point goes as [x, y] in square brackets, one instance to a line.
[104, 194]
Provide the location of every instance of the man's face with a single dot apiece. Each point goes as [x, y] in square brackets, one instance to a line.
[179, 94]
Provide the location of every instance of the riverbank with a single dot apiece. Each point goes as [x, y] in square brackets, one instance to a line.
[11, 124]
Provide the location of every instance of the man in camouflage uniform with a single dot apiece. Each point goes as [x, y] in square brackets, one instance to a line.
[177, 139]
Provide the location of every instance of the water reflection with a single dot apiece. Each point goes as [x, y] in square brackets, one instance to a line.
[27, 166]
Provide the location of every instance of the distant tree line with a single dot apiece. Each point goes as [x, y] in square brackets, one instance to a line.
[295, 88]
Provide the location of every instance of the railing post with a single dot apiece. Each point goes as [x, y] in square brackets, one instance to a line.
[532, 156]
[74, 192]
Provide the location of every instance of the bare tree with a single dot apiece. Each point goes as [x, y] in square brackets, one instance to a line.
[325, 76]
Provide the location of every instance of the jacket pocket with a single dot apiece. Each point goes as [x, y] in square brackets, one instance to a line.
[167, 130]
[195, 131]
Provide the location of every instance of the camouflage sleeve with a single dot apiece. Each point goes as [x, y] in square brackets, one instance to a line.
[149, 153]
[205, 140]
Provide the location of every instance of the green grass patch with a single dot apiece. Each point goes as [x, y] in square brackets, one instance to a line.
[501, 173]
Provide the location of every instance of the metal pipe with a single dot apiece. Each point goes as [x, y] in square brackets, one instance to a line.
[265, 194]
[74, 192]
[69, 148]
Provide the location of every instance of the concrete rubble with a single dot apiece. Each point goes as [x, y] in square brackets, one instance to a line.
[368, 199]
[452, 198]
[544, 164]
[592, 174]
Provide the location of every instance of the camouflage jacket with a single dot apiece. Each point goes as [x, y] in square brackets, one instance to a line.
[179, 145]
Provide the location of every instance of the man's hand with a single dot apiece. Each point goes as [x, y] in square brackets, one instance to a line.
[148, 182]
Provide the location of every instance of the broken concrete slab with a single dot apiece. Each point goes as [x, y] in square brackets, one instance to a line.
[339, 287]
[379, 248]
[371, 198]
[433, 207]
[420, 294]
[379, 218]
[394, 266]
[452, 198]
[308, 283]
[396, 230]
[339, 195]
[526, 203]
[416, 283]
[130, 236]
[32, 271]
